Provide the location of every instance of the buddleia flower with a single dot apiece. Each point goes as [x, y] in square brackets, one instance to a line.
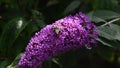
[69, 33]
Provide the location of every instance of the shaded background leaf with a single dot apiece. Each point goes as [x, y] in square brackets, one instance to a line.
[102, 15]
[72, 6]
[10, 33]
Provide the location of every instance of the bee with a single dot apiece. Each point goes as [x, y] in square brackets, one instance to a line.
[57, 29]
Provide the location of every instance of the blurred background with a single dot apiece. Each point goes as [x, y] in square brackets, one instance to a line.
[20, 19]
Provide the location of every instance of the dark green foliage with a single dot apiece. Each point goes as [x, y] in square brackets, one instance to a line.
[20, 19]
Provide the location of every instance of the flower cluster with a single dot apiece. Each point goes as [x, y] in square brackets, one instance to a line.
[69, 33]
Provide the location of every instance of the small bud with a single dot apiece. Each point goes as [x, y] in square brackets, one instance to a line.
[88, 47]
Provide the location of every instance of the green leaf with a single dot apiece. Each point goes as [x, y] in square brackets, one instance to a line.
[110, 43]
[105, 4]
[111, 32]
[15, 62]
[72, 6]
[106, 14]
[102, 15]
[117, 29]
[107, 32]
[111, 36]
[104, 42]
[95, 18]
[10, 33]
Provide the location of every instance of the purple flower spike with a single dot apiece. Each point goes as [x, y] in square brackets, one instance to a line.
[69, 33]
